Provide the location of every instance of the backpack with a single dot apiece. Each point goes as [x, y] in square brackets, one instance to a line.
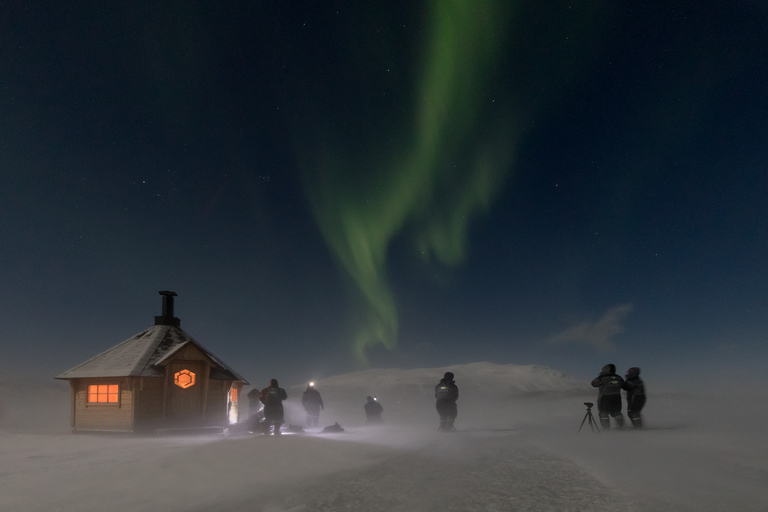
[612, 385]
[272, 396]
[444, 392]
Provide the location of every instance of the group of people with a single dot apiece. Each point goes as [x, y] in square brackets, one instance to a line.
[609, 404]
[272, 415]
[610, 386]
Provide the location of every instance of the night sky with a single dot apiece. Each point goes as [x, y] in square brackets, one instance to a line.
[331, 186]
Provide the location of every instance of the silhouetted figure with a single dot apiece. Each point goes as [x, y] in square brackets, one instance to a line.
[635, 389]
[373, 410]
[255, 413]
[609, 396]
[446, 393]
[312, 403]
[272, 398]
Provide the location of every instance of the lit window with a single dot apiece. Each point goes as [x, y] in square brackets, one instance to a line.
[102, 393]
[233, 395]
[184, 379]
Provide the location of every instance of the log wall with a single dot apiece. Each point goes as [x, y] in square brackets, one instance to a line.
[111, 417]
[216, 404]
[149, 406]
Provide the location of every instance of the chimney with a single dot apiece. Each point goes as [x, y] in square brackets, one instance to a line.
[167, 318]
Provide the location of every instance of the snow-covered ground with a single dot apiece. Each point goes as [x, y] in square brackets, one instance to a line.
[517, 448]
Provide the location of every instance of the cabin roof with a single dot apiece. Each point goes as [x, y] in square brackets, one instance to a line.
[142, 355]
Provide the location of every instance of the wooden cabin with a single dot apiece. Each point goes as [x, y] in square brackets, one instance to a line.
[161, 378]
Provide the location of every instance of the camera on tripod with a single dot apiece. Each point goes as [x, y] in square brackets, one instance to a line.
[591, 419]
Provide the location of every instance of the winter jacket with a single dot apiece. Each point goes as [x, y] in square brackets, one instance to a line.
[373, 410]
[446, 390]
[273, 396]
[311, 399]
[634, 386]
[608, 383]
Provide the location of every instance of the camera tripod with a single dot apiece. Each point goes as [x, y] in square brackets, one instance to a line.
[588, 416]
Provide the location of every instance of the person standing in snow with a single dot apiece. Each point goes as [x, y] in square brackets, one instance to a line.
[635, 389]
[609, 396]
[373, 410]
[272, 398]
[446, 393]
[312, 402]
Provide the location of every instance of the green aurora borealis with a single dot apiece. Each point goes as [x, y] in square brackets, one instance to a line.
[436, 183]
[333, 185]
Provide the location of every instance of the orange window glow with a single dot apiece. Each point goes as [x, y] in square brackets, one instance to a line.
[102, 393]
[184, 379]
[233, 395]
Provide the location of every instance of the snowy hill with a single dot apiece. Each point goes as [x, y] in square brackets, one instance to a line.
[499, 380]
[408, 395]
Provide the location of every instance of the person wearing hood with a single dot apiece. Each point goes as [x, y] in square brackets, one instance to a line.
[272, 398]
[635, 389]
[373, 410]
[312, 402]
[609, 396]
[446, 393]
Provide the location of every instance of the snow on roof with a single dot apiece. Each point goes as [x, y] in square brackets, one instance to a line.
[141, 355]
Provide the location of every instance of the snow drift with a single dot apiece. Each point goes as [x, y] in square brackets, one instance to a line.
[517, 448]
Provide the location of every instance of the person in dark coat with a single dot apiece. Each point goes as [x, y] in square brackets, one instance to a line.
[635, 389]
[272, 398]
[312, 402]
[446, 393]
[609, 396]
[373, 410]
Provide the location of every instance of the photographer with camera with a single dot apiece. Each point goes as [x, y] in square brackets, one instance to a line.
[609, 396]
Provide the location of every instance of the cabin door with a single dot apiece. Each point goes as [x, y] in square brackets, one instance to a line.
[185, 397]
